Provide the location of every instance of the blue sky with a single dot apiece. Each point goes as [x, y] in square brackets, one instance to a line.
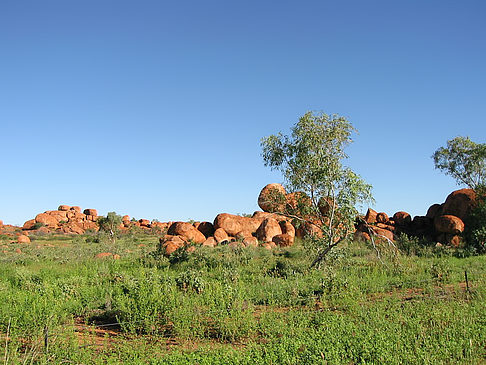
[156, 109]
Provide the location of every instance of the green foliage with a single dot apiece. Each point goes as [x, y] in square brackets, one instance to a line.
[38, 225]
[190, 280]
[221, 306]
[110, 224]
[311, 162]
[464, 160]
[475, 232]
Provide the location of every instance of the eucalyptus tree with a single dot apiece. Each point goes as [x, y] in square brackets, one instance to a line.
[326, 192]
[464, 160]
[111, 225]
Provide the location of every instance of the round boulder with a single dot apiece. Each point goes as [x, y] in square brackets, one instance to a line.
[272, 198]
[434, 210]
[449, 224]
[402, 218]
[186, 230]
[268, 229]
[460, 203]
[206, 228]
[382, 218]
[23, 239]
[220, 236]
[93, 212]
[370, 216]
[233, 224]
[283, 240]
[46, 219]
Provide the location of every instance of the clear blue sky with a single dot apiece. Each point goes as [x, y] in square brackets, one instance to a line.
[156, 109]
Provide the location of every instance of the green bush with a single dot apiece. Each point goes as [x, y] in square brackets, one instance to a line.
[475, 233]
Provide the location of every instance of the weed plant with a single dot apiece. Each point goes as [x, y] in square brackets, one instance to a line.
[238, 306]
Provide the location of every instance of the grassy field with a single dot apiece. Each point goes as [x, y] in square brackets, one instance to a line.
[60, 304]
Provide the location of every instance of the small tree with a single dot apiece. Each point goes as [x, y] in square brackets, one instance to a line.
[464, 160]
[110, 224]
[310, 159]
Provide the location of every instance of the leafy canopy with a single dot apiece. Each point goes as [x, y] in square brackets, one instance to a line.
[311, 162]
[110, 224]
[464, 160]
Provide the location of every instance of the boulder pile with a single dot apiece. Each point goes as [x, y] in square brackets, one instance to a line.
[65, 219]
[70, 219]
[443, 223]
[271, 227]
[263, 228]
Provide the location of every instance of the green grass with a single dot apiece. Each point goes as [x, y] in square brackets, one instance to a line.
[237, 306]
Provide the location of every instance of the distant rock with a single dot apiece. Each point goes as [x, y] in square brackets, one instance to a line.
[23, 239]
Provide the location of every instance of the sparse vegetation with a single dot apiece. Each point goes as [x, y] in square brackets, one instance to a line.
[247, 306]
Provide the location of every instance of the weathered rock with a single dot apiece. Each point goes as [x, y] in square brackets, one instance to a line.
[250, 241]
[370, 216]
[287, 228]
[402, 218]
[75, 216]
[91, 212]
[384, 233]
[386, 226]
[449, 224]
[161, 226]
[422, 226]
[220, 236]
[1, 223]
[233, 224]
[382, 218]
[206, 228]
[23, 239]
[421, 222]
[261, 216]
[268, 229]
[434, 210]
[46, 219]
[146, 223]
[60, 216]
[64, 208]
[88, 225]
[283, 240]
[186, 230]
[126, 218]
[76, 209]
[170, 244]
[459, 203]
[243, 234]
[272, 198]
[30, 224]
[73, 227]
[211, 242]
